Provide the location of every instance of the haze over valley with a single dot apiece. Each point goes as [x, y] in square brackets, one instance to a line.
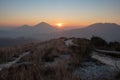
[44, 31]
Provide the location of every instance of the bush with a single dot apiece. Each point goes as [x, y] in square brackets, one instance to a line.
[98, 42]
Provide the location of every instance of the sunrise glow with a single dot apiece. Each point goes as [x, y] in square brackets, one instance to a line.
[59, 25]
[71, 12]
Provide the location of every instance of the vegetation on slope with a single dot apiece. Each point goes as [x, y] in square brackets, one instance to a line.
[47, 52]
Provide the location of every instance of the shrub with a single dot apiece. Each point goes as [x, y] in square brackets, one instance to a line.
[98, 42]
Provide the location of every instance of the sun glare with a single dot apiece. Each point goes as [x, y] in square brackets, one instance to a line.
[59, 25]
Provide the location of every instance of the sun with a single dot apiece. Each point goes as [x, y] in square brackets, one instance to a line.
[59, 25]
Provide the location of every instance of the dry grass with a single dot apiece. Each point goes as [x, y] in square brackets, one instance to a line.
[40, 53]
[37, 70]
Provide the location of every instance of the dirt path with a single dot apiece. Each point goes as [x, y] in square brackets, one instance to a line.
[112, 61]
[9, 64]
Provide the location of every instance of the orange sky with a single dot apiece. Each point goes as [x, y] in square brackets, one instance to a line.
[67, 12]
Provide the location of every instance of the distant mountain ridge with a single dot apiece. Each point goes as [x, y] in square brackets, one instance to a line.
[45, 27]
[28, 31]
[108, 31]
[44, 31]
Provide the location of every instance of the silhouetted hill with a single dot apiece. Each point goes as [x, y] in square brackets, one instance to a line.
[108, 31]
[28, 31]
[44, 31]
[44, 27]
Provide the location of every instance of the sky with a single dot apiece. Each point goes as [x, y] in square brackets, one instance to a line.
[67, 12]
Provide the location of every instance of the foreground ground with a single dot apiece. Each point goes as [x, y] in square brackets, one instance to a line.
[58, 59]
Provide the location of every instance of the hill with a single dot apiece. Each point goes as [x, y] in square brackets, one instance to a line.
[108, 31]
[59, 59]
[44, 31]
[28, 31]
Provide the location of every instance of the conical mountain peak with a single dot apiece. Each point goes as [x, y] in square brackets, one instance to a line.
[43, 24]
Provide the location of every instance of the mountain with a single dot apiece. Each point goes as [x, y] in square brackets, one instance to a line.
[108, 31]
[44, 31]
[28, 31]
[44, 27]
